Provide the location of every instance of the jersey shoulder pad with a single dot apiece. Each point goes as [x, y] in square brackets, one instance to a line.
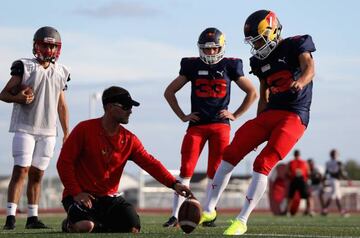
[188, 65]
[232, 61]
[189, 60]
[17, 68]
[303, 43]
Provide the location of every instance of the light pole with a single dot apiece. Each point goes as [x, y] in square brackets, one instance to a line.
[93, 98]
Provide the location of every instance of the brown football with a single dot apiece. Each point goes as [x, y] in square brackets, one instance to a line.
[17, 89]
[189, 214]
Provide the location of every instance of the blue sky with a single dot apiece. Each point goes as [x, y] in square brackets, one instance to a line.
[138, 45]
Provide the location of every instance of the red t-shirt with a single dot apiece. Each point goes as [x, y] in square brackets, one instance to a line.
[298, 168]
[91, 161]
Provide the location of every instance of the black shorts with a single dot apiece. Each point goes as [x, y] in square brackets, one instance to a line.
[110, 214]
[299, 184]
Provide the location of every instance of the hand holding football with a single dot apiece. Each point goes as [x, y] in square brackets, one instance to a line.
[19, 88]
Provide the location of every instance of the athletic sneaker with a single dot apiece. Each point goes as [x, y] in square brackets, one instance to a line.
[65, 225]
[10, 223]
[236, 228]
[208, 217]
[35, 223]
[344, 213]
[172, 222]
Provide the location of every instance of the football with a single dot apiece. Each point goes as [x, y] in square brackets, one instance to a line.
[189, 214]
[17, 89]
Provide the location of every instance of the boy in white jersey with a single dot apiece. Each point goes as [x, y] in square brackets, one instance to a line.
[36, 89]
[333, 174]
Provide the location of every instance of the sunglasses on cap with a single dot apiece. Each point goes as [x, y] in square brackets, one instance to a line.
[124, 107]
[124, 100]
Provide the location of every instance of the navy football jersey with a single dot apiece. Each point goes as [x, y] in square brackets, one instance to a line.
[280, 69]
[210, 86]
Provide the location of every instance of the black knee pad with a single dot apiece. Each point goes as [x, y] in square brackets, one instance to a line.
[78, 212]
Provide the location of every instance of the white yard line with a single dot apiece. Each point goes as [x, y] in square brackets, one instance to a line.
[299, 236]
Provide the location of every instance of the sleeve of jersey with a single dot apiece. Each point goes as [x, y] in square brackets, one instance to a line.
[17, 68]
[66, 77]
[67, 159]
[236, 69]
[254, 68]
[151, 165]
[304, 44]
[66, 85]
[185, 67]
[236, 66]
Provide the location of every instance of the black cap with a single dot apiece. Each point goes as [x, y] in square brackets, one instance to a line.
[120, 95]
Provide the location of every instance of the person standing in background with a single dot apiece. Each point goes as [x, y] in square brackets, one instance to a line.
[298, 173]
[334, 172]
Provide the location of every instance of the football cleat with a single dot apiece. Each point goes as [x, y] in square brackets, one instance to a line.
[10, 223]
[35, 223]
[207, 217]
[209, 223]
[344, 213]
[172, 222]
[237, 227]
[65, 226]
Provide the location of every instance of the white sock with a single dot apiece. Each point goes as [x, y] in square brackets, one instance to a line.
[33, 210]
[220, 181]
[208, 190]
[178, 200]
[11, 209]
[255, 191]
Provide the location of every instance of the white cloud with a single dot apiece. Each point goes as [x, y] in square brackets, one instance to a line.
[124, 59]
[99, 59]
[118, 9]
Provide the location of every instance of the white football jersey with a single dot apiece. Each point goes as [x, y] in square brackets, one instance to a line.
[333, 168]
[40, 116]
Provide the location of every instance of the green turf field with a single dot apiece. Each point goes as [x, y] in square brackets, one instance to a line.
[259, 226]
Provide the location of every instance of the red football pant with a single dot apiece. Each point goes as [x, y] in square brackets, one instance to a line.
[218, 137]
[282, 129]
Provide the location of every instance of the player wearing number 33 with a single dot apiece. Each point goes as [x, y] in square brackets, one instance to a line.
[285, 68]
[210, 76]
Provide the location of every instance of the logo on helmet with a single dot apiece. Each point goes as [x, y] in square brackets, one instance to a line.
[262, 31]
[211, 38]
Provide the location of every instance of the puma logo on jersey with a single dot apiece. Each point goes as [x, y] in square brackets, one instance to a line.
[203, 72]
[282, 60]
[213, 186]
[248, 199]
[221, 73]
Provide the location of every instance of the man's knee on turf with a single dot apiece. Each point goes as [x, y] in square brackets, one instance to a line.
[84, 226]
